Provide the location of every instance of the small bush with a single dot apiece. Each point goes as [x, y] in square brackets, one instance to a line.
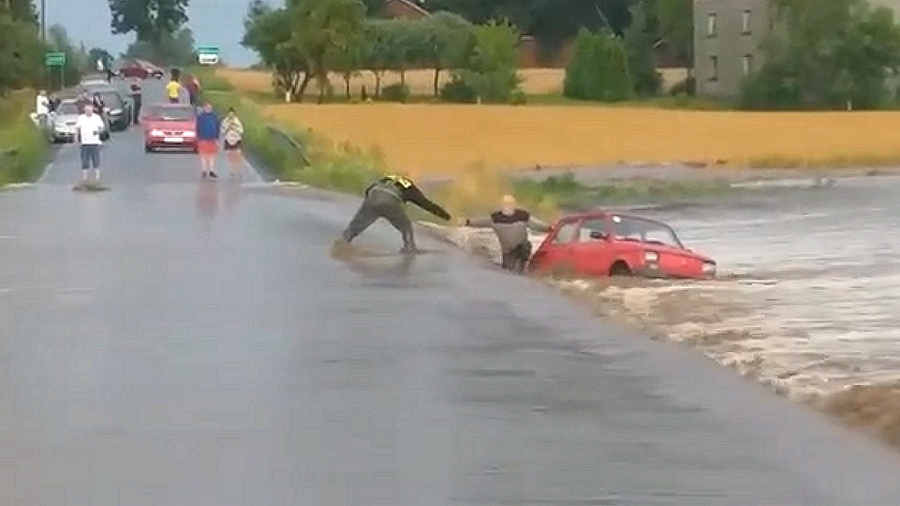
[598, 69]
[457, 91]
[23, 147]
[395, 93]
[518, 98]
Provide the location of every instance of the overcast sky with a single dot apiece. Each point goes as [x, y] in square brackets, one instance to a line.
[214, 23]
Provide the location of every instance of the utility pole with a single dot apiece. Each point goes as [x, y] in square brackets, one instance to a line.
[43, 20]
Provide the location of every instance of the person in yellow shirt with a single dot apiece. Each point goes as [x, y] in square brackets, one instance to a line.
[173, 90]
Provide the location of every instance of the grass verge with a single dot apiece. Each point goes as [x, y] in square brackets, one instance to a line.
[289, 154]
[23, 150]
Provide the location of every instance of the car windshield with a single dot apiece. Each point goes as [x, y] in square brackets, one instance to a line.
[111, 99]
[67, 109]
[171, 113]
[627, 228]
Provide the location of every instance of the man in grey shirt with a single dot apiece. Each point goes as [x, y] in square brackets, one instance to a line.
[511, 225]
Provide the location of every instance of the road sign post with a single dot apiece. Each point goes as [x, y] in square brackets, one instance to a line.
[208, 55]
[57, 59]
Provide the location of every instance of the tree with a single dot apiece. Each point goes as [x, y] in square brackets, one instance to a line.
[380, 37]
[675, 21]
[491, 69]
[598, 69]
[639, 43]
[76, 58]
[268, 32]
[21, 50]
[150, 20]
[826, 55]
[446, 37]
[350, 61]
[322, 29]
[408, 40]
[178, 49]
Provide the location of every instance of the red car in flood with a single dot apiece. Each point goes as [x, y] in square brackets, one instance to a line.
[169, 126]
[606, 243]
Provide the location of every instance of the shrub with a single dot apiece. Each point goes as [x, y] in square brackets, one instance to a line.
[23, 148]
[598, 69]
[518, 98]
[457, 91]
[395, 93]
[492, 67]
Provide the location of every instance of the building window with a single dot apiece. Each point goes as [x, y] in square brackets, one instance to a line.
[745, 23]
[713, 68]
[748, 64]
[711, 25]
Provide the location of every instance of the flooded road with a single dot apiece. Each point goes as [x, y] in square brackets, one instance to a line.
[808, 301]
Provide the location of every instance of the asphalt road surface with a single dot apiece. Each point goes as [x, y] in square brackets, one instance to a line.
[178, 342]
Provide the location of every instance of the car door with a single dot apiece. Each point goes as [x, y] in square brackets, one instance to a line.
[592, 254]
[555, 252]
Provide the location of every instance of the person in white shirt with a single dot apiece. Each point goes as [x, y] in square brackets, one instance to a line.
[42, 108]
[88, 128]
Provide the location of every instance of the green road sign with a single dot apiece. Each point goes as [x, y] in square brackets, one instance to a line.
[55, 59]
[208, 50]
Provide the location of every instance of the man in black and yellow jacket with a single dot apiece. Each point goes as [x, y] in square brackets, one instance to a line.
[385, 198]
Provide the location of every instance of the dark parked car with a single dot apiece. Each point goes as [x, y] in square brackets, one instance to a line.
[119, 111]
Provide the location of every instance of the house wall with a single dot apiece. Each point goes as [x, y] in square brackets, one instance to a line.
[720, 54]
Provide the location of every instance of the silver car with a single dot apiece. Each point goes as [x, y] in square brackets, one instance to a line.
[61, 122]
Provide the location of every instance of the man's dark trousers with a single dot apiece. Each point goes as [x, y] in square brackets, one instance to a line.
[376, 205]
[517, 258]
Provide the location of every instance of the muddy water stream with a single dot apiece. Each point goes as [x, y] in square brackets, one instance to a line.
[808, 300]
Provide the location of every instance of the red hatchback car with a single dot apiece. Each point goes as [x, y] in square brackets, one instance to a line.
[140, 70]
[605, 243]
[172, 126]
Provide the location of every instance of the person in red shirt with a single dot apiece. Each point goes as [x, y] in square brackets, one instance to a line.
[193, 87]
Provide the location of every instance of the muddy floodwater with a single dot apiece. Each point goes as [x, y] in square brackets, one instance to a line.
[808, 298]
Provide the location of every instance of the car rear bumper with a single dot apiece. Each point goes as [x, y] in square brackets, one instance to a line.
[160, 143]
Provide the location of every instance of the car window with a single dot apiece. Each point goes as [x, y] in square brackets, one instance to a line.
[567, 233]
[173, 113]
[111, 99]
[592, 230]
[636, 229]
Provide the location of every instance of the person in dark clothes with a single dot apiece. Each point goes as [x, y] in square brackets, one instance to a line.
[136, 94]
[511, 225]
[385, 198]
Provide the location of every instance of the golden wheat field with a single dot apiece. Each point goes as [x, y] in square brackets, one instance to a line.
[430, 138]
[420, 82]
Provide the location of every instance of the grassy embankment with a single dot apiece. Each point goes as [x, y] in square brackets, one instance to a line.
[23, 150]
[343, 165]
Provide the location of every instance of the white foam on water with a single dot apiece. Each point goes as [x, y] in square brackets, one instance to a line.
[812, 309]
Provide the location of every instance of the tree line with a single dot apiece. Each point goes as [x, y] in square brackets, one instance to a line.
[22, 50]
[306, 40]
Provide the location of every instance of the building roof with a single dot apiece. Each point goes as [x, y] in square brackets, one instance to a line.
[412, 6]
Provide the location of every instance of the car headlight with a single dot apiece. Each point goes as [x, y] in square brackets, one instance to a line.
[156, 133]
[709, 268]
[651, 256]
[189, 134]
[116, 112]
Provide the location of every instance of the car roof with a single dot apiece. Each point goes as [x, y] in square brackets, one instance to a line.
[605, 213]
